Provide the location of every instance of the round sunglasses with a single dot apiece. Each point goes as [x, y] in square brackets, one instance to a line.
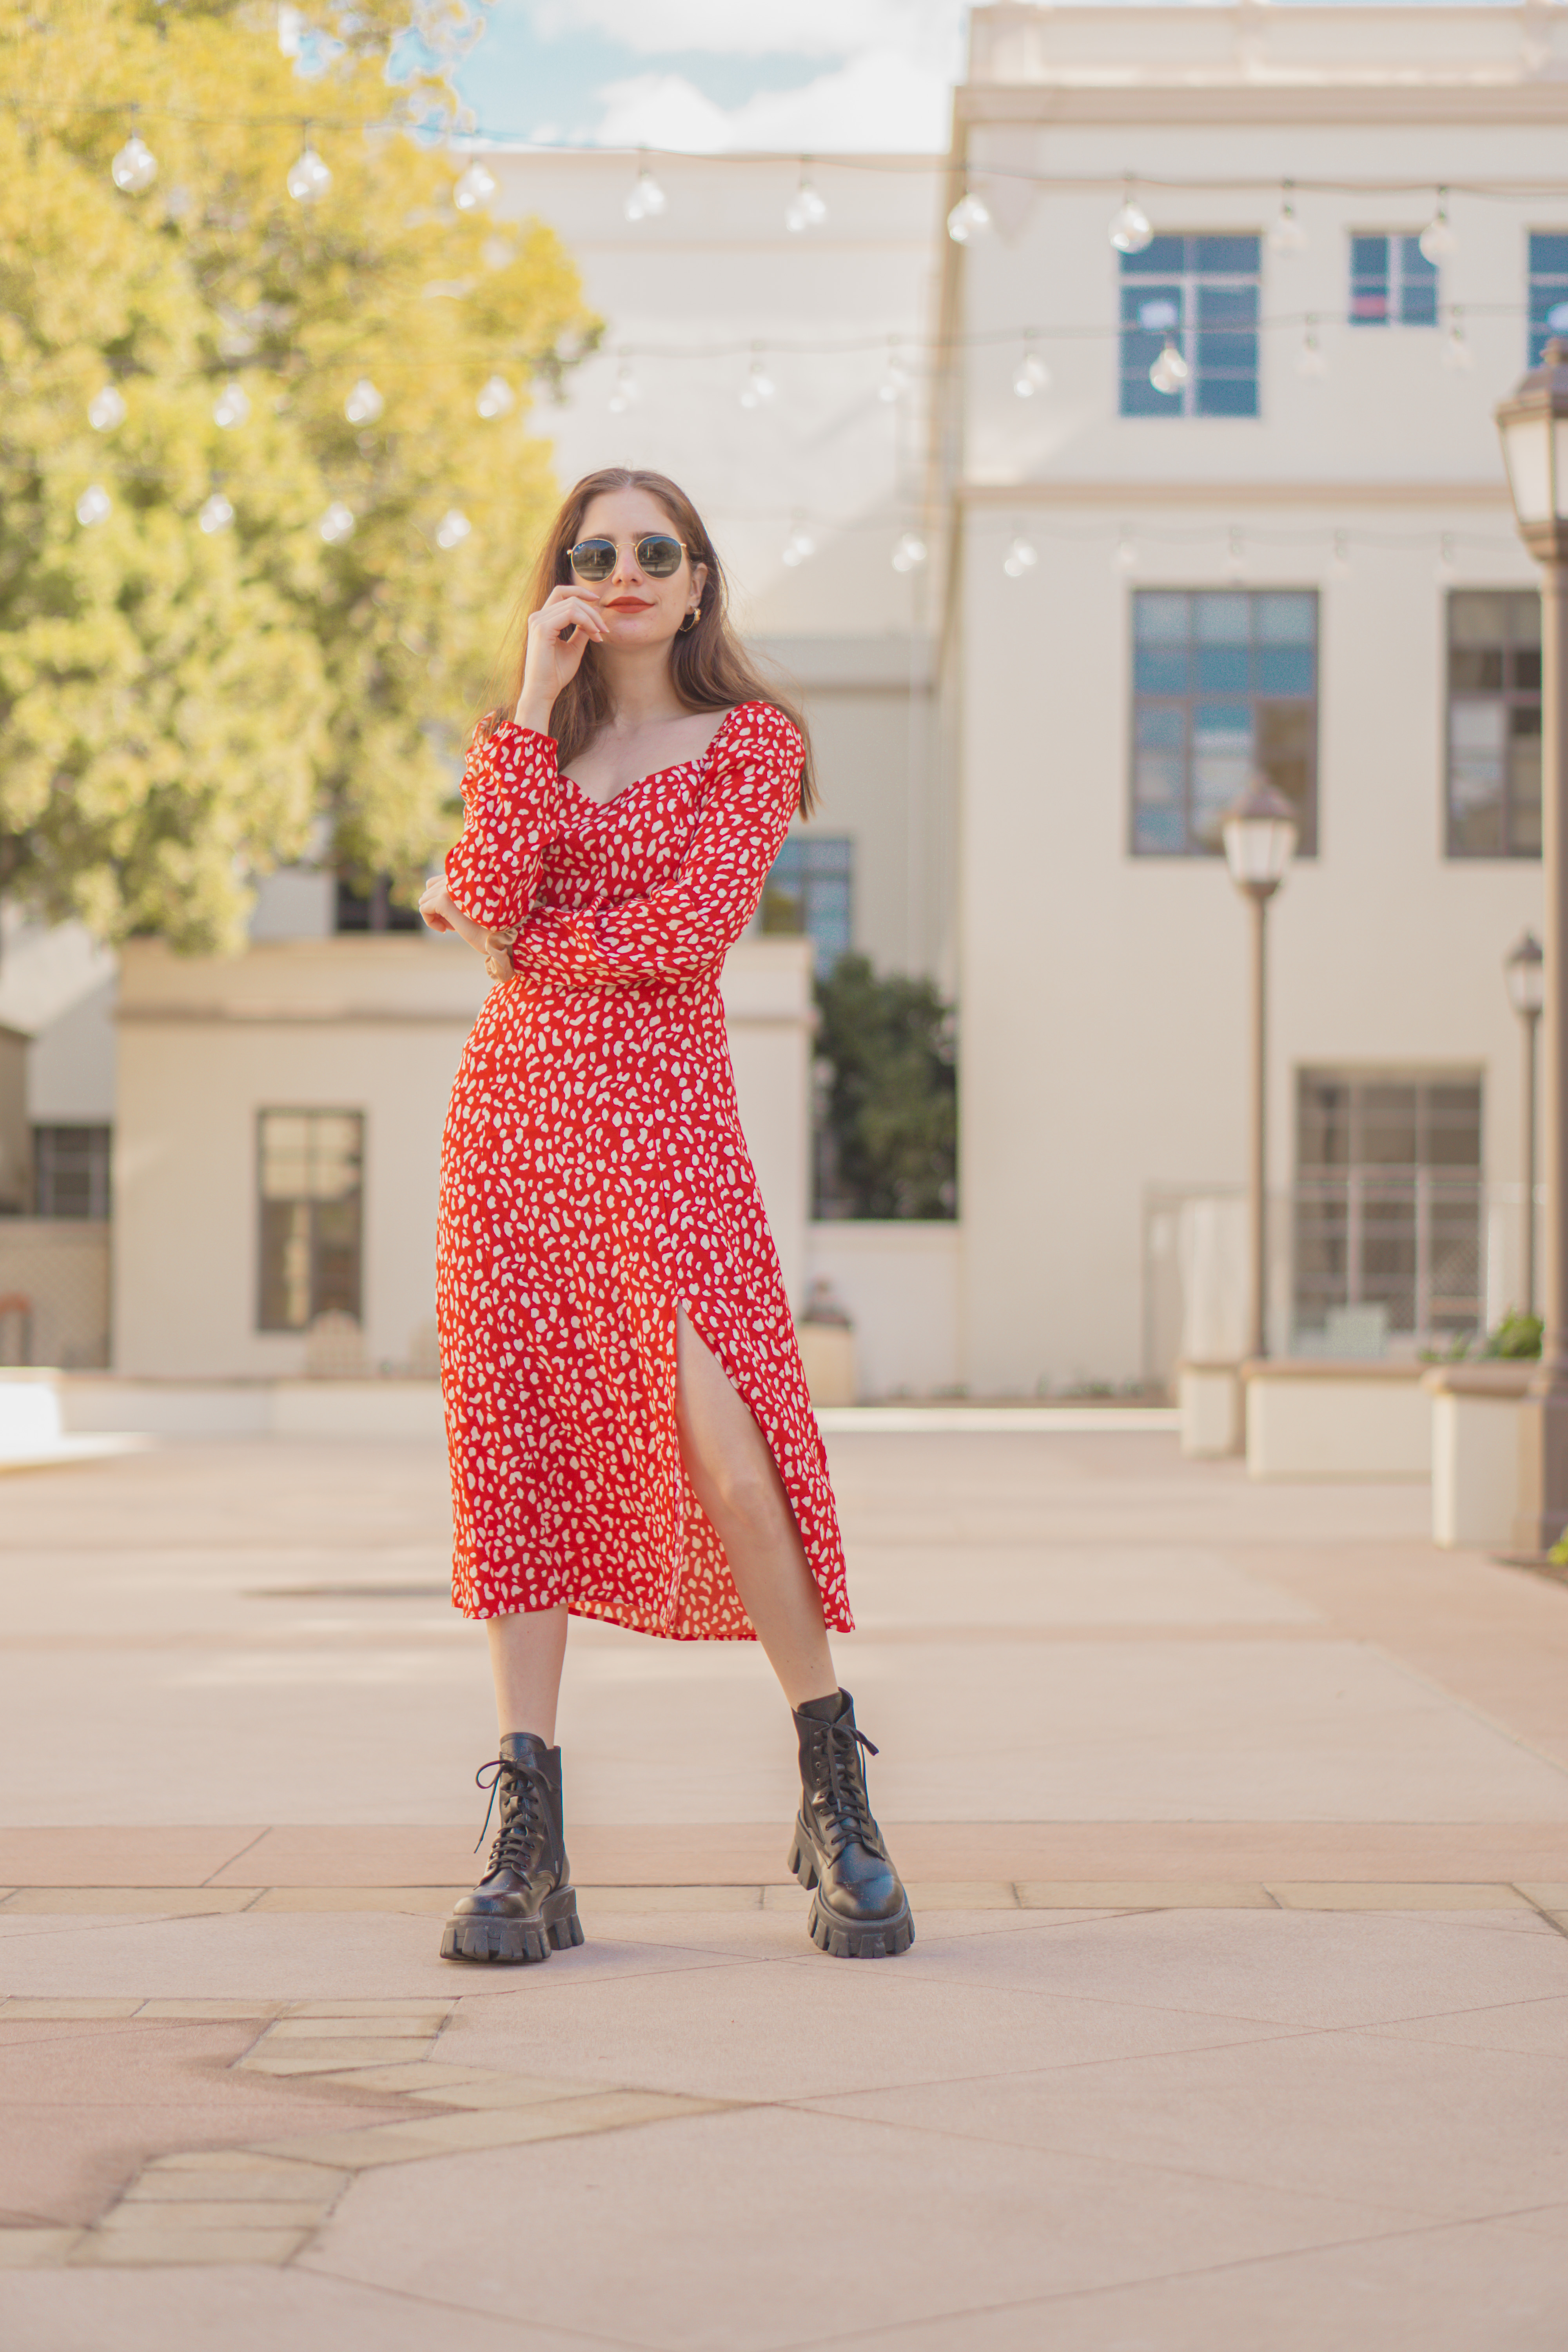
[657, 554]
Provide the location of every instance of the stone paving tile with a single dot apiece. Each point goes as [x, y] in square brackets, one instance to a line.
[1357, 1896]
[1520, 2025]
[148, 1902]
[161, 2249]
[26, 2249]
[1144, 1895]
[512, 2126]
[256, 2309]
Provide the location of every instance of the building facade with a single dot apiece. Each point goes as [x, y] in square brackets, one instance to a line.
[1255, 521]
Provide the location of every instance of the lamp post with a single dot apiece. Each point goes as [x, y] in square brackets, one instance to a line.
[1526, 973]
[1533, 424]
[1260, 837]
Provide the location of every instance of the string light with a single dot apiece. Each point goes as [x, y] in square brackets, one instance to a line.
[452, 528]
[646, 199]
[1131, 229]
[308, 176]
[1170, 370]
[135, 167]
[1021, 558]
[1310, 359]
[1125, 557]
[1032, 374]
[94, 506]
[473, 187]
[1340, 561]
[337, 524]
[896, 379]
[1448, 568]
[805, 209]
[1287, 235]
[232, 406]
[215, 515]
[364, 404]
[1438, 239]
[625, 391]
[496, 398]
[1456, 352]
[1235, 555]
[106, 409]
[909, 554]
[799, 547]
[970, 216]
[759, 387]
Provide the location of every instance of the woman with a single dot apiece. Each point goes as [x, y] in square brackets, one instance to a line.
[628, 1424]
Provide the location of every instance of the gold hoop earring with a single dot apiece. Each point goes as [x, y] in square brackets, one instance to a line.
[692, 617]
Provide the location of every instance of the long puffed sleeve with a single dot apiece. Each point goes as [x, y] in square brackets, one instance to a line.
[687, 926]
[512, 813]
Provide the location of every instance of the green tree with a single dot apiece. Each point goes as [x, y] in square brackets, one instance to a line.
[890, 1126]
[192, 682]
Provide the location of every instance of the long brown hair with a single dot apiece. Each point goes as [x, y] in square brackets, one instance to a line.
[709, 667]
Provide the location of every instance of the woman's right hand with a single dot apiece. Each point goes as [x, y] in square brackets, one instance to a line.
[553, 657]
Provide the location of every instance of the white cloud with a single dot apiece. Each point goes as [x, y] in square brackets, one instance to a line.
[924, 30]
[881, 101]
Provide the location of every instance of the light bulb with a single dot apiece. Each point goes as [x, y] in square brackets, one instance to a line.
[106, 409]
[364, 404]
[1340, 561]
[217, 515]
[1125, 558]
[625, 391]
[805, 209]
[909, 554]
[308, 177]
[232, 405]
[896, 382]
[93, 506]
[1310, 359]
[1457, 353]
[473, 187]
[1020, 558]
[337, 524]
[647, 199]
[1234, 556]
[1447, 567]
[134, 168]
[759, 387]
[1131, 229]
[452, 528]
[798, 547]
[1287, 235]
[496, 397]
[1438, 239]
[969, 217]
[1032, 375]
[1170, 370]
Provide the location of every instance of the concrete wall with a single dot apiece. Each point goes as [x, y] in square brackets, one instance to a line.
[900, 1282]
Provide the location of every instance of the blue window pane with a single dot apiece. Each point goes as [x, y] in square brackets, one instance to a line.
[1369, 281]
[1162, 256]
[1161, 727]
[1222, 619]
[1285, 619]
[1160, 670]
[1251, 657]
[1226, 354]
[1222, 669]
[1418, 285]
[1227, 397]
[1549, 256]
[1547, 293]
[1160, 617]
[1227, 306]
[1284, 670]
[1159, 832]
[1138, 397]
[1222, 256]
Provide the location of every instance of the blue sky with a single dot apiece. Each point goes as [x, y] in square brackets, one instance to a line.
[713, 74]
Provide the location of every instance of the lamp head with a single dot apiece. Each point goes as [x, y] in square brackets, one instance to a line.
[1533, 424]
[1525, 971]
[1260, 835]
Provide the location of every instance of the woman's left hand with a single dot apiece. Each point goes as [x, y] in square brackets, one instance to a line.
[435, 905]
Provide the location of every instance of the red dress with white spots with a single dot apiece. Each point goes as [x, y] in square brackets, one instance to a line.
[595, 1177]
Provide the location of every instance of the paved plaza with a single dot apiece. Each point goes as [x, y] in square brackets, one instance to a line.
[1235, 1820]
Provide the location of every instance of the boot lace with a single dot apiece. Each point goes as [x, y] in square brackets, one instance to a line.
[521, 1830]
[845, 1804]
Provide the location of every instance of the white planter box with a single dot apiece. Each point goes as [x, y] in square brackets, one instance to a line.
[1318, 1419]
[1475, 1414]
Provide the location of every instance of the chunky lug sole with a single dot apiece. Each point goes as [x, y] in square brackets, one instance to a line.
[840, 1938]
[557, 1929]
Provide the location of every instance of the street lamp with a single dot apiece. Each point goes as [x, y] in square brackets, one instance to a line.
[1526, 973]
[1533, 424]
[1260, 835]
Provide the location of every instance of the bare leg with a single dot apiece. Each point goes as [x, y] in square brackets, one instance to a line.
[526, 1656]
[737, 1482]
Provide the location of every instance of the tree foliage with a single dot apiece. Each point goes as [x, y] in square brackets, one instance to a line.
[891, 1107]
[180, 708]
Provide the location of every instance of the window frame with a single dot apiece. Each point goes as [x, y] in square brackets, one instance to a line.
[315, 1307]
[1535, 336]
[1396, 280]
[1190, 325]
[1508, 696]
[1309, 836]
[805, 847]
[99, 1169]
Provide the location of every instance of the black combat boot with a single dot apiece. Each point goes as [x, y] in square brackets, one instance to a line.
[862, 1912]
[525, 1905]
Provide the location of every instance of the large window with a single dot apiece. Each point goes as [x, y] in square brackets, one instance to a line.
[70, 1171]
[811, 890]
[1548, 292]
[1494, 723]
[310, 1170]
[1200, 294]
[1388, 1209]
[1392, 284]
[1225, 685]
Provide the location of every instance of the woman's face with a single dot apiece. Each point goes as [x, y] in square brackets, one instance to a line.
[640, 609]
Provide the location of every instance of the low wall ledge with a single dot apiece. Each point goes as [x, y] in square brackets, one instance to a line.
[1333, 1367]
[1504, 1380]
